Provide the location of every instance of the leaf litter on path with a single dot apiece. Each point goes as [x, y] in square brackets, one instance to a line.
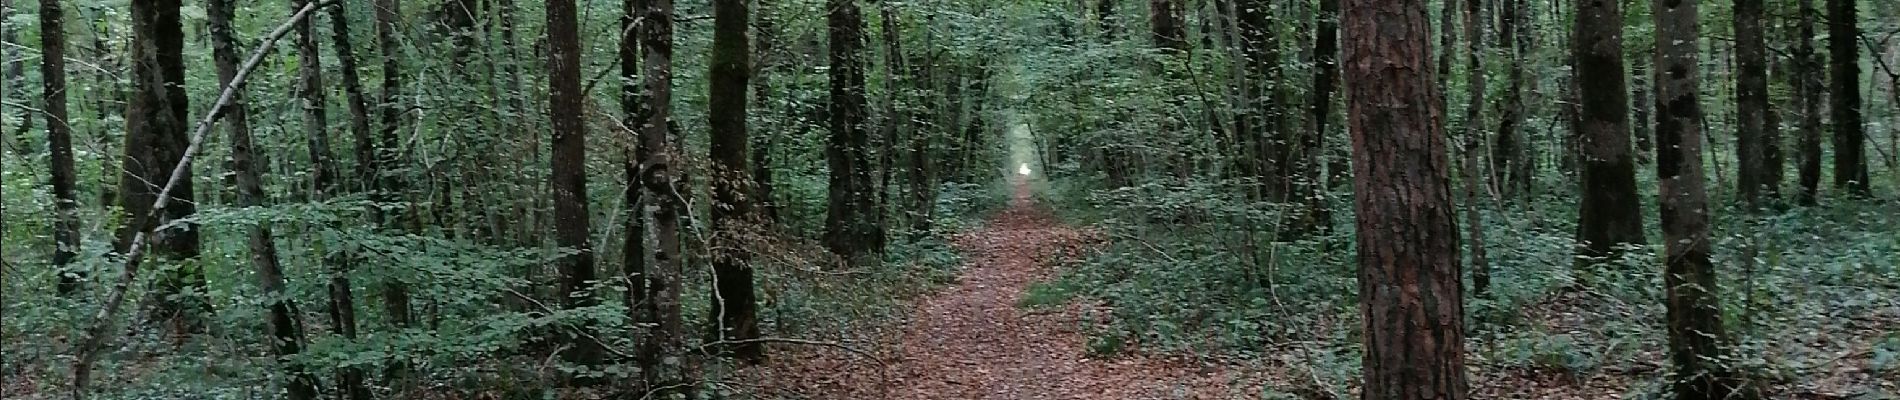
[971, 341]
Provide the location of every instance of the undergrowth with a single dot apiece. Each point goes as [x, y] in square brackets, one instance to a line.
[466, 349]
[1193, 269]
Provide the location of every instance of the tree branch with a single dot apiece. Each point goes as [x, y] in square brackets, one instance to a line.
[96, 336]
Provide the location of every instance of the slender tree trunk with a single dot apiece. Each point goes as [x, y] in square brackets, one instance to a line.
[310, 92]
[1641, 88]
[389, 188]
[1250, 76]
[895, 121]
[156, 139]
[1325, 80]
[357, 101]
[1610, 214]
[342, 299]
[735, 307]
[1751, 103]
[59, 136]
[661, 180]
[1850, 139]
[1473, 140]
[766, 23]
[569, 174]
[14, 78]
[1409, 285]
[1695, 317]
[1508, 159]
[285, 326]
[1809, 88]
[633, 251]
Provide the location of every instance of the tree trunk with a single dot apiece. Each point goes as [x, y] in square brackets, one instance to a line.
[59, 136]
[1843, 47]
[14, 78]
[762, 62]
[155, 140]
[633, 251]
[895, 121]
[310, 92]
[358, 102]
[1473, 139]
[1695, 317]
[389, 188]
[1409, 285]
[1168, 32]
[1751, 103]
[1509, 163]
[923, 189]
[1808, 88]
[342, 299]
[1641, 90]
[285, 324]
[664, 281]
[850, 227]
[1325, 78]
[735, 307]
[1610, 214]
[568, 174]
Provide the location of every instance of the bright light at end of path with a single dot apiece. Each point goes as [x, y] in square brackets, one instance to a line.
[1023, 170]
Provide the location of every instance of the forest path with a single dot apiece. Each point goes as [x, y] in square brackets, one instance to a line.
[971, 341]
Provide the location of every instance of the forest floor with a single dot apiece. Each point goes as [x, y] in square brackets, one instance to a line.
[972, 341]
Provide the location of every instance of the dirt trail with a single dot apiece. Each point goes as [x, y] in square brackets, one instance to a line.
[971, 341]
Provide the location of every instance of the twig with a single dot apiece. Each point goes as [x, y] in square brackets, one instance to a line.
[95, 336]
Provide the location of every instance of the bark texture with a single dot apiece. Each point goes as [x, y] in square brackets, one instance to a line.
[735, 306]
[1752, 138]
[59, 136]
[1610, 215]
[155, 141]
[1809, 89]
[569, 174]
[1409, 283]
[1695, 318]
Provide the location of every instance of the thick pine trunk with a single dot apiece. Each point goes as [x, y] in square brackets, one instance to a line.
[1409, 284]
[735, 306]
[1695, 318]
[1610, 214]
[1808, 72]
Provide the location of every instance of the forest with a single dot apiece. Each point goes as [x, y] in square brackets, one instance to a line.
[950, 199]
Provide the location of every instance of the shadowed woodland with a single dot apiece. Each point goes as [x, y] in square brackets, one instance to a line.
[950, 199]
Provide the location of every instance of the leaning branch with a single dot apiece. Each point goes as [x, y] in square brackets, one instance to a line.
[95, 336]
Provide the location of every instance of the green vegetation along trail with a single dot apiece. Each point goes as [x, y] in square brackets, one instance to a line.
[971, 341]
